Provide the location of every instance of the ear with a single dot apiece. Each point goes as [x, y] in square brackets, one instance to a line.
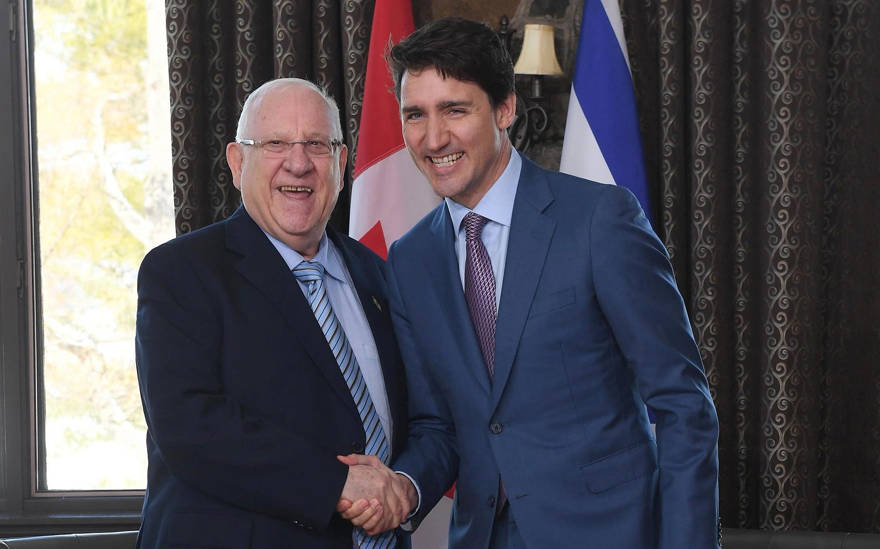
[234, 158]
[505, 112]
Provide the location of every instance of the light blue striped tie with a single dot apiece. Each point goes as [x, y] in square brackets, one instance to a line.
[312, 274]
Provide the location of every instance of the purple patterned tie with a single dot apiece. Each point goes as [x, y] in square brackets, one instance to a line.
[479, 288]
[479, 291]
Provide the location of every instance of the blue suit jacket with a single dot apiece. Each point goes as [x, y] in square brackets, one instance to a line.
[590, 327]
[245, 404]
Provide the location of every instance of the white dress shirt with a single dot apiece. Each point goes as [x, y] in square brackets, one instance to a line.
[347, 307]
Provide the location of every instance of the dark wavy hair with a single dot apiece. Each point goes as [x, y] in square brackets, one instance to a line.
[469, 51]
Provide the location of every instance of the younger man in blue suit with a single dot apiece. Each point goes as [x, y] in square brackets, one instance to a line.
[537, 315]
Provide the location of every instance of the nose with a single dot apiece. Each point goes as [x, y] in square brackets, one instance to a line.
[297, 161]
[436, 134]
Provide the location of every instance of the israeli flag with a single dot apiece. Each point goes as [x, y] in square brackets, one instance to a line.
[602, 139]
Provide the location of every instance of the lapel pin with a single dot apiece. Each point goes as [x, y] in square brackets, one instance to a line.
[377, 304]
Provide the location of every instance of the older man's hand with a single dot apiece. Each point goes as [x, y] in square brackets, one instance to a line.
[374, 497]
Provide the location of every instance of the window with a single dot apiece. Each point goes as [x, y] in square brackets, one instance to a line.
[86, 148]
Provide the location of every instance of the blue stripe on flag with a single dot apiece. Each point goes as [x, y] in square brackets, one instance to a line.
[604, 89]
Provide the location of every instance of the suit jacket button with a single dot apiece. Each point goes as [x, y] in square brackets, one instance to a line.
[491, 501]
[496, 428]
[357, 448]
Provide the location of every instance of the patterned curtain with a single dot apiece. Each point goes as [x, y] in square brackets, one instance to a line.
[219, 51]
[761, 123]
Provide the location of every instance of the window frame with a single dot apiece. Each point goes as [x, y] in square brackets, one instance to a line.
[25, 509]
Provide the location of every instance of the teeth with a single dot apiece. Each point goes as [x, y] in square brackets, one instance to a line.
[445, 161]
[294, 189]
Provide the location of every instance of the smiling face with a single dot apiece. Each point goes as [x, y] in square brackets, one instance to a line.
[454, 135]
[290, 197]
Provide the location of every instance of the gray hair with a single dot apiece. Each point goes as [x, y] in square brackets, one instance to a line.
[332, 108]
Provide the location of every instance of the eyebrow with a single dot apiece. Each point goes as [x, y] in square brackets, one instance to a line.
[282, 136]
[450, 104]
[442, 106]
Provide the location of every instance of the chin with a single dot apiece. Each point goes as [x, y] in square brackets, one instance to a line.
[445, 187]
[442, 192]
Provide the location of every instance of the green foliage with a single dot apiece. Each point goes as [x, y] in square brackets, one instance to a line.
[103, 37]
[95, 173]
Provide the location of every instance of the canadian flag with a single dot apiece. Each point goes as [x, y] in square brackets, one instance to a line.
[389, 194]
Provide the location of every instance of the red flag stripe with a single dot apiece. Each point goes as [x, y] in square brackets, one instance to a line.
[392, 20]
[388, 191]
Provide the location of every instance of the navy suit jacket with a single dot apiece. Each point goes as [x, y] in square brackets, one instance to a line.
[245, 405]
[591, 327]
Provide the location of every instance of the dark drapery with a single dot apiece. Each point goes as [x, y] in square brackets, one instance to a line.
[219, 51]
[761, 124]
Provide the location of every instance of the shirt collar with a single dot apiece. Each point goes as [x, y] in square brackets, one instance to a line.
[497, 204]
[327, 255]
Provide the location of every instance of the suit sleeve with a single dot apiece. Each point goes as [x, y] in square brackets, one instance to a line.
[638, 295]
[430, 457]
[205, 438]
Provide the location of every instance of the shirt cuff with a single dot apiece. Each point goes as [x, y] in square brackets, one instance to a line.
[408, 525]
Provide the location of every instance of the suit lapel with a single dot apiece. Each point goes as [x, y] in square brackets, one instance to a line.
[372, 301]
[261, 264]
[371, 294]
[529, 241]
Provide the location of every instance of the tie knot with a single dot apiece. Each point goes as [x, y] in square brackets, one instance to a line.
[309, 271]
[473, 225]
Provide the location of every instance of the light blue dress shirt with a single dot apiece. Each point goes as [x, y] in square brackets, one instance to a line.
[497, 206]
[347, 307]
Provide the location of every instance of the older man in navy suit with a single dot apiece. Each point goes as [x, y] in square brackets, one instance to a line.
[265, 351]
[537, 316]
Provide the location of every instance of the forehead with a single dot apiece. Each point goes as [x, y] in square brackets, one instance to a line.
[428, 87]
[291, 110]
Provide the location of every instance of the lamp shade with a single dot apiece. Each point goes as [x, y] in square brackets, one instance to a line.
[538, 55]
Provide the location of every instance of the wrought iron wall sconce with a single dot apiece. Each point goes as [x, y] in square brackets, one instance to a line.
[537, 59]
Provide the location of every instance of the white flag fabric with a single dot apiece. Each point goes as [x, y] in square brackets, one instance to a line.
[602, 139]
[388, 194]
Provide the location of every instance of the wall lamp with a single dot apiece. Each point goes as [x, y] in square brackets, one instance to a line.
[537, 59]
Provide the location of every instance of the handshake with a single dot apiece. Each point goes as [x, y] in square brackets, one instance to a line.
[374, 497]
